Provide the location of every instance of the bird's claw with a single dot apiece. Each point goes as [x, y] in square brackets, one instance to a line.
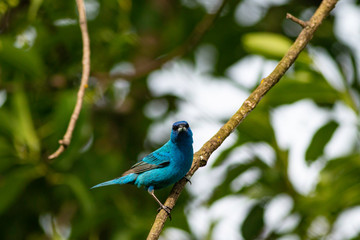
[166, 209]
[188, 179]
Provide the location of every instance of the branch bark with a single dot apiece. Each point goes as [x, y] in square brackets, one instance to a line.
[201, 157]
[65, 142]
[296, 20]
[199, 31]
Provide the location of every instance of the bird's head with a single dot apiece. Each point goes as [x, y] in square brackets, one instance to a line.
[181, 132]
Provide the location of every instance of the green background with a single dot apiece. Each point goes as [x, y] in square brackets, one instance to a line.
[40, 71]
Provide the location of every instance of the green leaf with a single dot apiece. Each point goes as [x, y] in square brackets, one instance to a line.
[338, 188]
[254, 223]
[319, 141]
[270, 45]
[304, 85]
[33, 9]
[24, 130]
[256, 127]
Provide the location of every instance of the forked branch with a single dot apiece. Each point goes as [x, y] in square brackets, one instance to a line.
[296, 20]
[65, 142]
[201, 157]
[194, 38]
[180, 51]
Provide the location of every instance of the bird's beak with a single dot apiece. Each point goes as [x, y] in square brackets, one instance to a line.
[180, 129]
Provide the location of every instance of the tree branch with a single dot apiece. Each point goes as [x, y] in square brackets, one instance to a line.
[296, 20]
[201, 157]
[65, 142]
[200, 29]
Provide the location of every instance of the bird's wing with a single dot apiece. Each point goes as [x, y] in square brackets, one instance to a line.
[151, 161]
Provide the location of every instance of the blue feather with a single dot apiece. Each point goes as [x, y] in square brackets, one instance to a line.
[122, 180]
[162, 167]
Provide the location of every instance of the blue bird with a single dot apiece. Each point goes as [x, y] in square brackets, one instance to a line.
[162, 167]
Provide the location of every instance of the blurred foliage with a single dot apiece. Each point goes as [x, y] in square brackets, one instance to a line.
[319, 141]
[253, 223]
[40, 70]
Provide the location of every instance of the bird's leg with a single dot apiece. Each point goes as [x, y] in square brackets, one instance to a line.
[188, 179]
[162, 206]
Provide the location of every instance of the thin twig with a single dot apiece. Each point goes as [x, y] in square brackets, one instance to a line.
[201, 157]
[194, 38]
[296, 20]
[65, 142]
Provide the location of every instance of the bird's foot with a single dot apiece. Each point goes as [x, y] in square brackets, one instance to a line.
[188, 179]
[166, 209]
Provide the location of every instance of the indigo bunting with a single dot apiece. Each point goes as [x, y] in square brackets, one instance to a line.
[162, 167]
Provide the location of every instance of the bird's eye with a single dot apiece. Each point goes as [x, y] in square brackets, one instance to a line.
[187, 125]
[175, 127]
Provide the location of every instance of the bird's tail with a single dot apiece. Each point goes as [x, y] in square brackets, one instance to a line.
[130, 178]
